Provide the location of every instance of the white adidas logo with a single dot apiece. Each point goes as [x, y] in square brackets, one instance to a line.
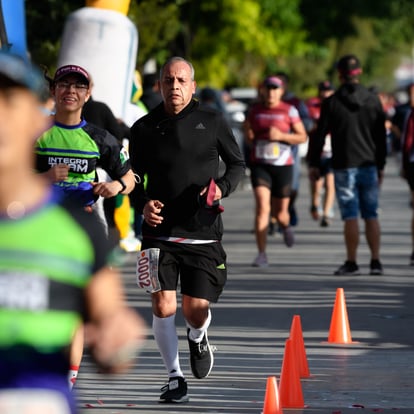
[200, 126]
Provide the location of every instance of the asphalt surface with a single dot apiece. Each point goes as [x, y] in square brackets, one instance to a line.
[253, 320]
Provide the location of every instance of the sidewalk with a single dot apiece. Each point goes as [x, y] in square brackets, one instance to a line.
[253, 319]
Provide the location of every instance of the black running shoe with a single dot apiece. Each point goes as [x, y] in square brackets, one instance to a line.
[325, 222]
[175, 391]
[347, 269]
[201, 356]
[375, 268]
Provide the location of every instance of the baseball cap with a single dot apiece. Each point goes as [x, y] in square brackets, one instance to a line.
[71, 70]
[325, 86]
[23, 73]
[349, 65]
[273, 81]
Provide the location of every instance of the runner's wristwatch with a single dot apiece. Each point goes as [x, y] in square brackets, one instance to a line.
[120, 180]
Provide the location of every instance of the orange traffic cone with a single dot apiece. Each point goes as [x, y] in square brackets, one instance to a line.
[290, 389]
[296, 336]
[271, 401]
[339, 332]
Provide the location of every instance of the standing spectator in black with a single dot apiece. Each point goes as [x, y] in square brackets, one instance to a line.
[151, 96]
[178, 146]
[355, 118]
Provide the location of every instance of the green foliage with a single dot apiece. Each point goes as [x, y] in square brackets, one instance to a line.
[158, 24]
[233, 42]
[379, 32]
[44, 26]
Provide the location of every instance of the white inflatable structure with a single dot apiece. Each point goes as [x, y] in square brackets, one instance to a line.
[105, 43]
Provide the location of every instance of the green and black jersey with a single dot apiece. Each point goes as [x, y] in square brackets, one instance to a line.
[47, 258]
[83, 147]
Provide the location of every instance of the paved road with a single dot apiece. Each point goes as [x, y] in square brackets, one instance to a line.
[253, 319]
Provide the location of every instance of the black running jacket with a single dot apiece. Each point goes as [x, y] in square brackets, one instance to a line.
[178, 155]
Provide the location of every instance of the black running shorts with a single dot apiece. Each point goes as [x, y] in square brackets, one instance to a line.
[277, 178]
[201, 269]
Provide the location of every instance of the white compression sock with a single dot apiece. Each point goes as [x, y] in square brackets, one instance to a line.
[165, 335]
[196, 335]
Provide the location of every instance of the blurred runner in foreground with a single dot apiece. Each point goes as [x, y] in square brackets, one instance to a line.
[54, 266]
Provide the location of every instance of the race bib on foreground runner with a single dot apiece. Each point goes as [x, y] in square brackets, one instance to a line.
[147, 270]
